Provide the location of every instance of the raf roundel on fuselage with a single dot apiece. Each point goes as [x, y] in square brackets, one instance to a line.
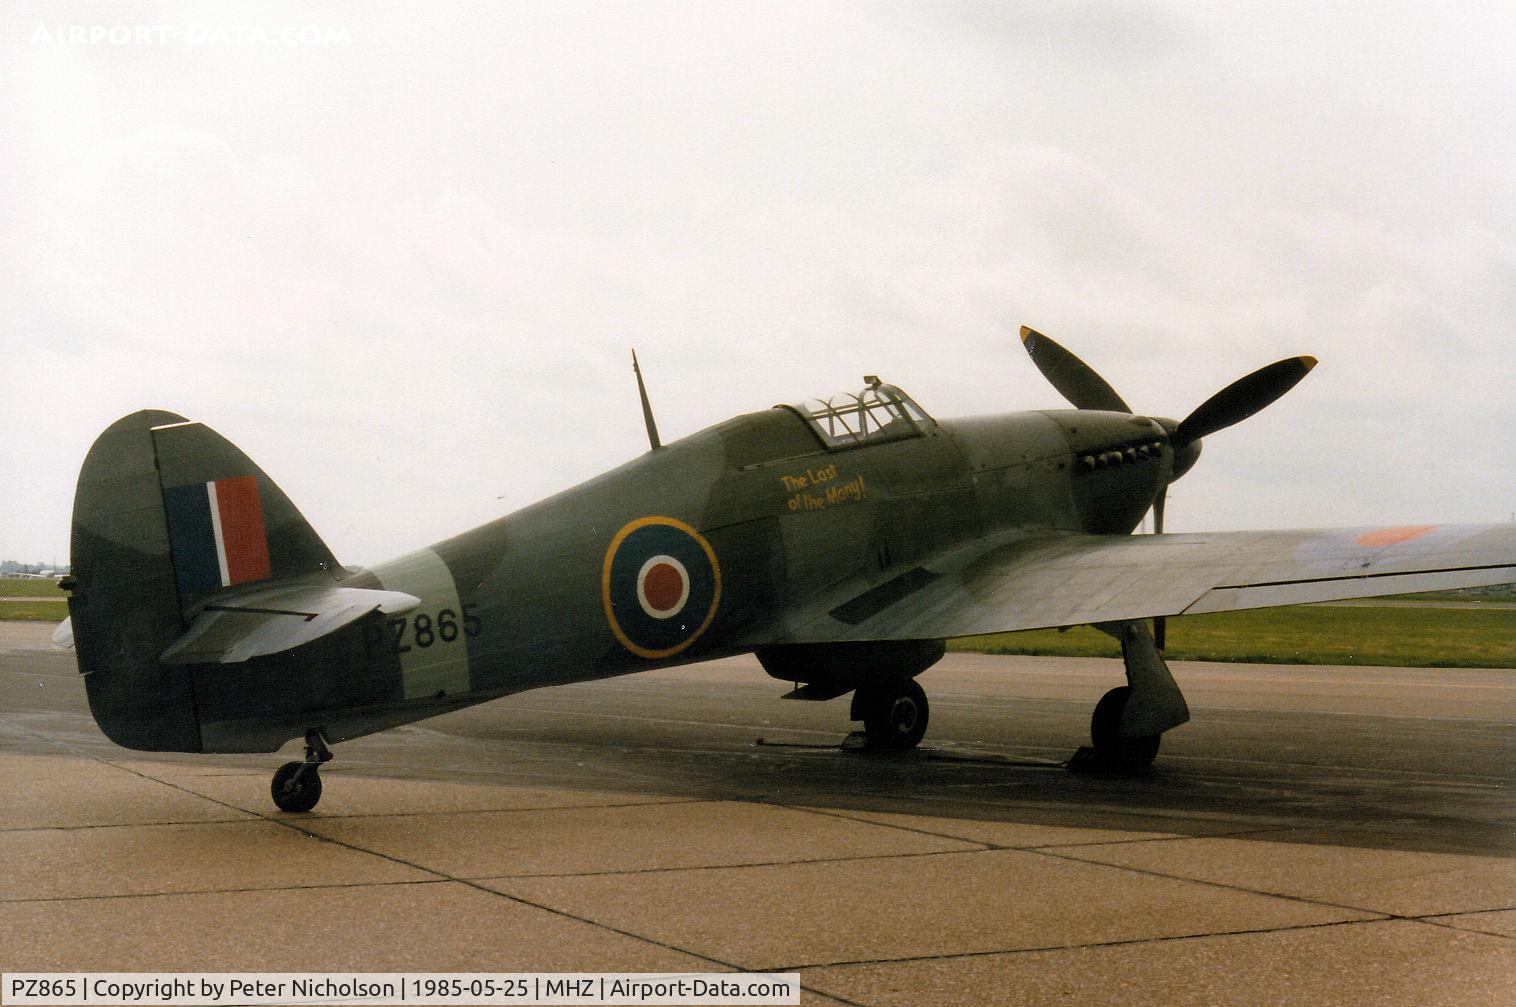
[660, 585]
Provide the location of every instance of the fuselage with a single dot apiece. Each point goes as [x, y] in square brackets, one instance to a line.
[712, 545]
[766, 515]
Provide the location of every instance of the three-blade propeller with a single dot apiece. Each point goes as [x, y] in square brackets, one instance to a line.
[1078, 382]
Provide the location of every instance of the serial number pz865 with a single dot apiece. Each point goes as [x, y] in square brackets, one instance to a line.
[399, 634]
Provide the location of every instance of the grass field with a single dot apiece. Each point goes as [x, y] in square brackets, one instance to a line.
[40, 610]
[27, 587]
[39, 600]
[1302, 634]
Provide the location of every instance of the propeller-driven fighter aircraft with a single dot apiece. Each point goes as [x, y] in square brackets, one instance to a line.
[841, 541]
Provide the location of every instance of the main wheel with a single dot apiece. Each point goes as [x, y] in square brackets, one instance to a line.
[894, 713]
[1129, 755]
[296, 791]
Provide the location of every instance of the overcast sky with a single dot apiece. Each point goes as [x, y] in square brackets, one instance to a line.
[398, 253]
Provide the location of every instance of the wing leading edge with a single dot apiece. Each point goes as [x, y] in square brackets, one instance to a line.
[1039, 581]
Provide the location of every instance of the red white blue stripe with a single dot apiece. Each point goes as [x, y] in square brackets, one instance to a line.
[216, 533]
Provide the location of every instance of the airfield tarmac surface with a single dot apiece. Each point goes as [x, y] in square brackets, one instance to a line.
[1314, 835]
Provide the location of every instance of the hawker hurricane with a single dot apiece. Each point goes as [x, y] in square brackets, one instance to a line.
[841, 541]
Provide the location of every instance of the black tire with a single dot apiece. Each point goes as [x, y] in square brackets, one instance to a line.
[894, 714]
[1127, 755]
[296, 793]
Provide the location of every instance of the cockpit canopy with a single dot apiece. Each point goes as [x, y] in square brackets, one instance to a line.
[878, 413]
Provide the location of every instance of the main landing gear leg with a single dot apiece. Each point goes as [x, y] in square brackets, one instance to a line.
[1128, 723]
[297, 785]
[893, 712]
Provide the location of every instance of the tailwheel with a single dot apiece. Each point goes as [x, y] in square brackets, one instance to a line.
[894, 713]
[296, 786]
[1112, 751]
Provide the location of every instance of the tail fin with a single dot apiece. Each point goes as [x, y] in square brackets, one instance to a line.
[167, 512]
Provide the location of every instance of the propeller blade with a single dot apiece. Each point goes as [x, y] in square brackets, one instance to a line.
[1242, 398]
[1074, 379]
[1160, 632]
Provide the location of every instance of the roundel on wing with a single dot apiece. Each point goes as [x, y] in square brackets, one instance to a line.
[660, 586]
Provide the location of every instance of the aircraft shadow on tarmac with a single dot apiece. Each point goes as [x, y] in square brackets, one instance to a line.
[1379, 782]
[1434, 784]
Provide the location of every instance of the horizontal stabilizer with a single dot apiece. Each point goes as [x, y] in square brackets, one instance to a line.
[277, 619]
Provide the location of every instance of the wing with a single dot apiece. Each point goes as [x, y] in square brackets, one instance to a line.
[1037, 581]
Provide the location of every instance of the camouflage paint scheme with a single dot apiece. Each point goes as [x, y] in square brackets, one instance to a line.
[839, 565]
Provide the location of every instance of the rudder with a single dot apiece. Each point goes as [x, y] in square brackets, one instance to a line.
[167, 513]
